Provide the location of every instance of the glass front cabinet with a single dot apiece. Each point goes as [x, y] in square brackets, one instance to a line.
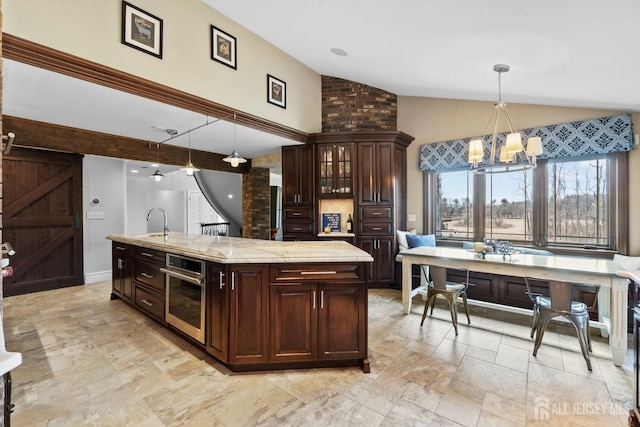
[335, 170]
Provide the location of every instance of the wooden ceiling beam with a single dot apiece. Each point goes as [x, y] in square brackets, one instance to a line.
[35, 134]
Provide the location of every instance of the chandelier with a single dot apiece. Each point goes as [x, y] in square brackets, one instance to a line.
[511, 153]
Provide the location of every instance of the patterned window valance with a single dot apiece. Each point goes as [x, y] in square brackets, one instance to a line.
[585, 137]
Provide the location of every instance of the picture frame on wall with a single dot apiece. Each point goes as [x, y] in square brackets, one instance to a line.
[141, 30]
[223, 47]
[276, 91]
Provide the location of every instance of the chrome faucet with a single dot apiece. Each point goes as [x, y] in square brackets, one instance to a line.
[164, 213]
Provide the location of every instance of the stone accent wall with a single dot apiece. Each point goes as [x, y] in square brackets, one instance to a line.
[256, 194]
[349, 106]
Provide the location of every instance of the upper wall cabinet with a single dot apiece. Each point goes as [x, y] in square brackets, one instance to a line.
[335, 169]
[297, 175]
[377, 173]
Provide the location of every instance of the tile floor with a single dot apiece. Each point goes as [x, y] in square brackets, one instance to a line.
[92, 361]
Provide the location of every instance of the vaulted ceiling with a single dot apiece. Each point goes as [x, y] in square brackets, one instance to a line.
[581, 53]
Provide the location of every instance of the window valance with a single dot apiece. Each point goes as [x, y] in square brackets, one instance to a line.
[584, 137]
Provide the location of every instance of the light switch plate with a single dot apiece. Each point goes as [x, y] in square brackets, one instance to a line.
[95, 215]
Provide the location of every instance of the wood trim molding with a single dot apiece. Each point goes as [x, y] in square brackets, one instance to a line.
[31, 133]
[28, 52]
[361, 136]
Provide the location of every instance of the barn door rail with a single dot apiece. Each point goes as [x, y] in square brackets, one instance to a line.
[6, 147]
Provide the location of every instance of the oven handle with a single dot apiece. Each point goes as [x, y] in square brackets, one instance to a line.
[190, 279]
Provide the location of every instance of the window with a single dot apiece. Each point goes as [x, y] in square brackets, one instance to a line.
[566, 202]
[453, 209]
[578, 204]
[508, 206]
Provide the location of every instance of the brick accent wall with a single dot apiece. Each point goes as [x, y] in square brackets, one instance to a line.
[256, 194]
[349, 106]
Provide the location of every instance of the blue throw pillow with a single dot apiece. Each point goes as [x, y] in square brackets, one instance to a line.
[421, 240]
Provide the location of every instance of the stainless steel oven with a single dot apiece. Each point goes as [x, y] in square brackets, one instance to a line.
[184, 309]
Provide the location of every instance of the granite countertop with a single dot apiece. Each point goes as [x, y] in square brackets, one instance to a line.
[235, 250]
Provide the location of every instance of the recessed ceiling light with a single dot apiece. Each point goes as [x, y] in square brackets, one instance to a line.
[339, 52]
[231, 196]
[134, 170]
[155, 165]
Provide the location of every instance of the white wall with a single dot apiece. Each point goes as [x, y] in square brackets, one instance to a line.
[91, 29]
[124, 201]
[103, 179]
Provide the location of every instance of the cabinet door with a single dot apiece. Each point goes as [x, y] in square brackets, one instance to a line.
[335, 170]
[384, 171]
[248, 319]
[381, 271]
[376, 170]
[367, 191]
[342, 321]
[217, 312]
[298, 175]
[290, 176]
[293, 311]
[122, 270]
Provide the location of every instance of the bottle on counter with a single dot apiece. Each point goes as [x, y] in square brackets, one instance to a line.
[350, 224]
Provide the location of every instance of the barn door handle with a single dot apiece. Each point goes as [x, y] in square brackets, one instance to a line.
[78, 219]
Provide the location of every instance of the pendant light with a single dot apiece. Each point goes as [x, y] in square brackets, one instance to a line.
[157, 175]
[189, 168]
[234, 158]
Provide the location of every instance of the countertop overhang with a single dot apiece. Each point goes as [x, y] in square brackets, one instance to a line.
[236, 250]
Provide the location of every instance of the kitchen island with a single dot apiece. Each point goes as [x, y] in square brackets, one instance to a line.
[263, 304]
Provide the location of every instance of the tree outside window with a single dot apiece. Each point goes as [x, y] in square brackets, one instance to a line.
[571, 198]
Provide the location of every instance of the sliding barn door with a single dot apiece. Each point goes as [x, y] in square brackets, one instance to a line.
[42, 219]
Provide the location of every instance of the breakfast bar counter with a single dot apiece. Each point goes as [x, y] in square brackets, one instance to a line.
[251, 304]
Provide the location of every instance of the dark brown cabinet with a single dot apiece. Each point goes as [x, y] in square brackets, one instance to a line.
[342, 332]
[335, 170]
[381, 203]
[377, 174]
[366, 167]
[298, 195]
[312, 318]
[293, 316]
[137, 278]
[316, 322]
[382, 249]
[266, 316]
[248, 313]
[217, 312]
[298, 175]
[149, 282]
[122, 268]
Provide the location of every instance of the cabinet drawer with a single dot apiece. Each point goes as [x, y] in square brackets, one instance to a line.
[316, 272]
[150, 302]
[121, 248]
[298, 227]
[376, 213]
[150, 274]
[376, 228]
[151, 255]
[298, 213]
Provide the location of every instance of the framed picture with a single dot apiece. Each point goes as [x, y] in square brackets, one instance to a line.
[141, 30]
[276, 91]
[223, 47]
